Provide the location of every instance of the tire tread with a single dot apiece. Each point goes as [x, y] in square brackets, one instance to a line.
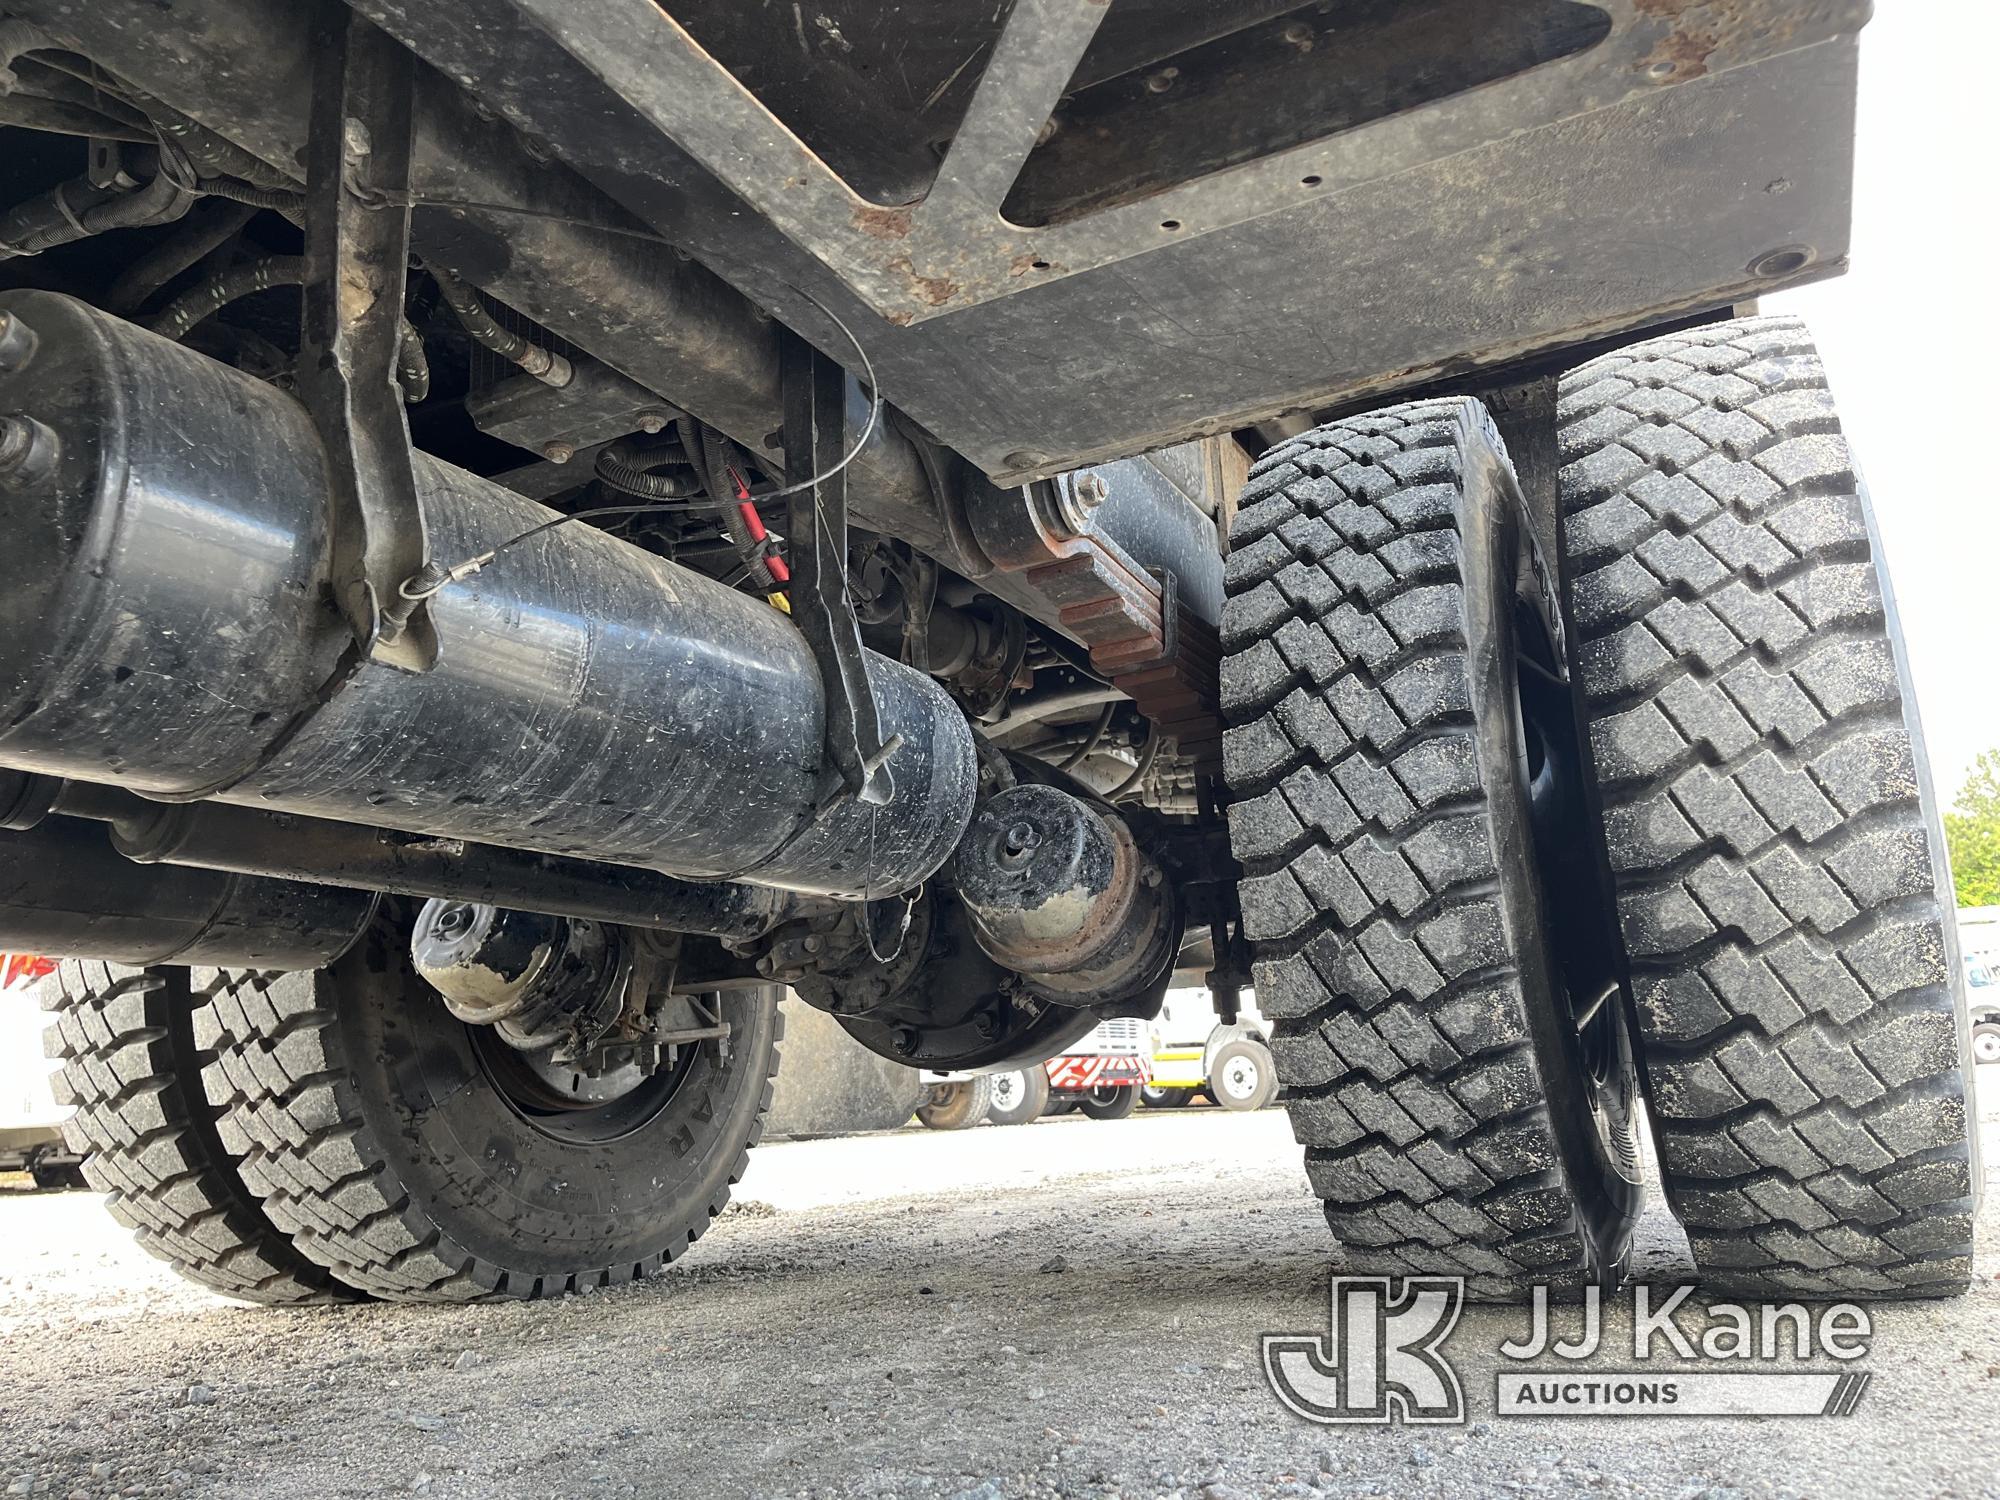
[1370, 888]
[149, 1139]
[290, 1113]
[1771, 849]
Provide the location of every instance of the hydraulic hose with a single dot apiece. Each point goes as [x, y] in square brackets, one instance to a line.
[78, 209]
[546, 366]
[196, 305]
[205, 231]
[712, 453]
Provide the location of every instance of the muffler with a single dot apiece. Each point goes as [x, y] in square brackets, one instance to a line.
[165, 626]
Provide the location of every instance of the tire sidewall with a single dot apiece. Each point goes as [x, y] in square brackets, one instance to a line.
[1940, 856]
[504, 1190]
[1122, 1100]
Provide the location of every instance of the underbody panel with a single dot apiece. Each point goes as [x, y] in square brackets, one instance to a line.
[1376, 195]
[1686, 159]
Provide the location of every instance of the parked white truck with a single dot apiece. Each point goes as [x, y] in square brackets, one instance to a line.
[30, 1119]
[1102, 1075]
[1198, 1054]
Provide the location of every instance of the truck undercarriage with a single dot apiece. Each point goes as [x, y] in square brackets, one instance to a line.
[533, 524]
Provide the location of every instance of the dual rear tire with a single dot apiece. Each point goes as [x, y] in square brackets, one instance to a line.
[1782, 887]
[1523, 836]
[326, 1135]
[1460, 1062]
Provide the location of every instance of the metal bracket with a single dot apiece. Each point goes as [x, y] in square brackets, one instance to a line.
[816, 546]
[357, 251]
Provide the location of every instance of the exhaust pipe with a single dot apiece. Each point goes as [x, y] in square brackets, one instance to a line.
[165, 626]
[65, 891]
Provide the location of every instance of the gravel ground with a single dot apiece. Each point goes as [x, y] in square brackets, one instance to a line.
[1067, 1309]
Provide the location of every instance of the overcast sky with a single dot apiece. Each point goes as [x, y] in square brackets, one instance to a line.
[1909, 337]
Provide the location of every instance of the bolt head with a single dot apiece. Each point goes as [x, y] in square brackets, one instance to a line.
[1091, 491]
[652, 421]
[1018, 844]
[28, 451]
[559, 452]
[17, 340]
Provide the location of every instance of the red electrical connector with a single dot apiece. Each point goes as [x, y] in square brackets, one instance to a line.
[773, 559]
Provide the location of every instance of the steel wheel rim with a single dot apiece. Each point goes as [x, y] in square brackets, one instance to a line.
[1560, 820]
[1241, 1077]
[1009, 1089]
[527, 1090]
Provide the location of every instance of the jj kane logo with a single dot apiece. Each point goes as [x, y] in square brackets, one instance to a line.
[1380, 1361]
[1382, 1357]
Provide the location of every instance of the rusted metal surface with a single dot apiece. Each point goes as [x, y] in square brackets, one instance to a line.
[954, 249]
[1059, 891]
[1582, 199]
[357, 243]
[1178, 691]
[1144, 638]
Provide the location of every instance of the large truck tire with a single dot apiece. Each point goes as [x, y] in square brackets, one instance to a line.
[1242, 1076]
[412, 1155]
[1781, 879]
[1020, 1097]
[1457, 1118]
[957, 1106]
[130, 1066]
[1110, 1101]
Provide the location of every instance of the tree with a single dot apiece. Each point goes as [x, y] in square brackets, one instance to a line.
[1972, 833]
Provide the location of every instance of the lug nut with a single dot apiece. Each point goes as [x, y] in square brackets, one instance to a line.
[16, 437]
[17, 343]
[27, 450]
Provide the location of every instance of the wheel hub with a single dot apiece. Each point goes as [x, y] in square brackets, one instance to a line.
[1241, 1077]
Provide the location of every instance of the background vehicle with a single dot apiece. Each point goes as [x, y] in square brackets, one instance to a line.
[1155, 487]
[1100, 1073]
[1196, 1052]
[1979, 938]
[31, 1138]
[956, 1103]
[1101, 1076]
